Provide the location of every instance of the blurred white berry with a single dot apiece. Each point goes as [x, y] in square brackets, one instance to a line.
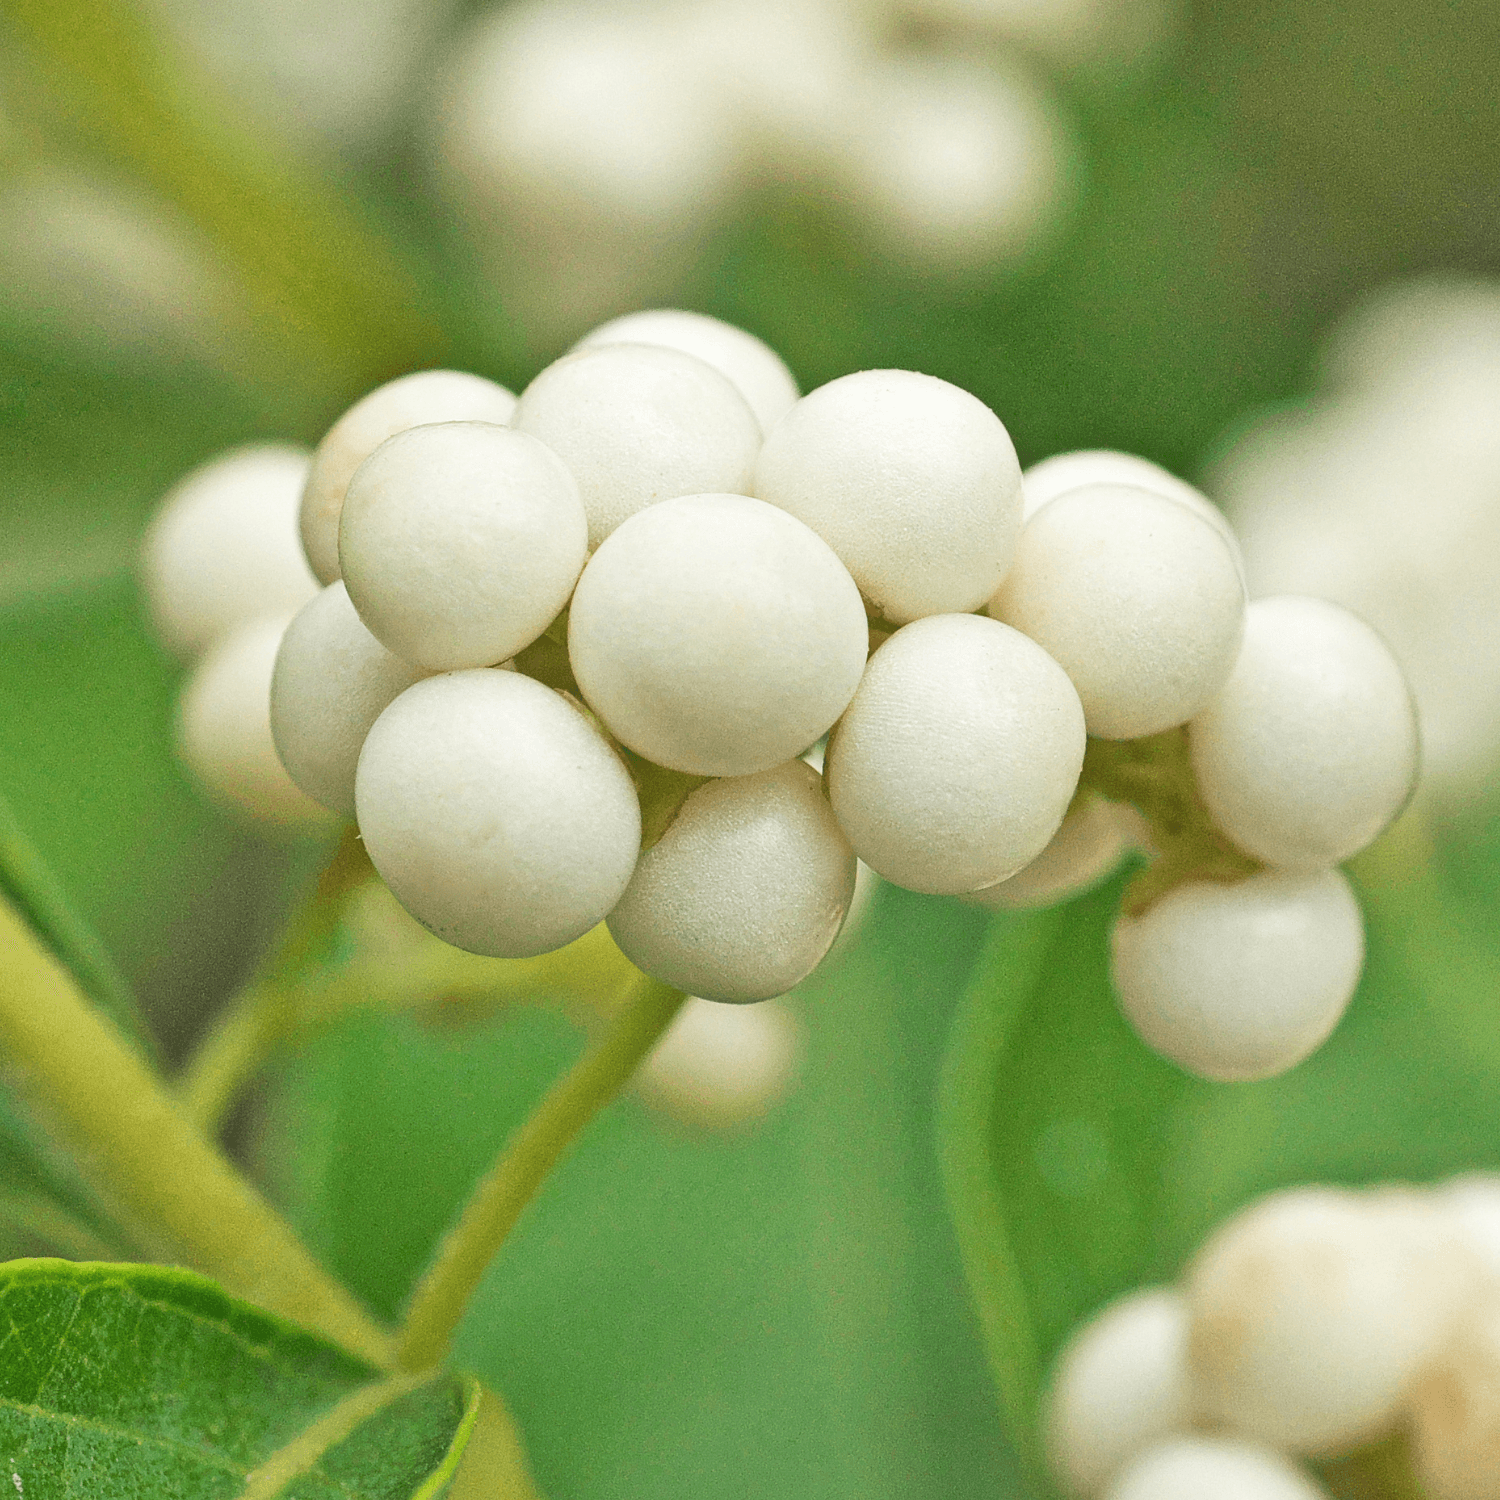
[637, 423]
[224, 729]
[716, 635]
[744, 893]
[333, 679]
[912, 481]
[721, 1066]
[1454, 1415]
[223, 547]
[1085, 850]
[461, 542]
[1119, 1386]
[411, 401]
[755, 370]
[1310, 748]
[1213, 1468]
[956, 761]
[1472, 1204]
[498, 815]
[1136, 596]
[1240, 981]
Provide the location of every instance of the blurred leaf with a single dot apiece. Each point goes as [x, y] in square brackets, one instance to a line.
[121, 1381]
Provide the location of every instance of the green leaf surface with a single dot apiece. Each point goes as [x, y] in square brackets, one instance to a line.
[127, 1382]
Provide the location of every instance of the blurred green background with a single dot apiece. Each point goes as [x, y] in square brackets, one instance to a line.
[781, 1312]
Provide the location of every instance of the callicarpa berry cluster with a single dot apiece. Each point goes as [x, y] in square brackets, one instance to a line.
[573, 649]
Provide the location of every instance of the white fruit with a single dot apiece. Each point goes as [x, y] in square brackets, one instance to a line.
[721, 1066]
[1137, 597]
[411, 401]
[498, 815]
[1119, 1386]
[1240, 981]
[912, 481]
[1310, 748]
[223, 548]
[956, 761]
[716, 634]
[1454, 1415]
[332, 681]
[636, 424]
[224, 729]
[1313, 1314]
[745, 892]
[1213, 1468]
[1471, 1202]
[461, 542]
[755, 369]
[1092, 840]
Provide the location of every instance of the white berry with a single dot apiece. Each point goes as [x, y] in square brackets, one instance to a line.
[1087, 847]
[757, 372]
[461, 542]
[1310, 748]
[411, 401]
[912, 481]
[1138, 598]
[223, 548]
[636, 423]
[716, 634]
[745, 892]
[332, 681]
[1119, 1386]
[1213, 1468]
[956, 761]
[1454, 1417]
[496, 812]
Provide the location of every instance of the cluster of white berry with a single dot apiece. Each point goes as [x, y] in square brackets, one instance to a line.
[682, 567]
[1316, 1325]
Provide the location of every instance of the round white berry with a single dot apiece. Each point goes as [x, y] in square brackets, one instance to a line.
[1244, 980]
[224, 728]
[1092, 840]
[755, 369]
[721, 1066]
[716, 634]
[411, 401]
[1314, 1311]
[637, 424]
[1213, 1468]
[1310, 748]
[1454, 1414]
[956, 761]
[332, 681]
[223, 548]
[460, 543]
[745, 892]
[1138, 599]
[912, 481]
[496, 812]
[1119, 1386]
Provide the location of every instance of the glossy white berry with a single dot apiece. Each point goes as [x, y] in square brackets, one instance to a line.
[332, 681]
[716, 634]
[756, 370]
[1313, 1314]
[223, 548]
[1119, 1386]
[1243, 980]
[1138, 598]
[411, 401]
[745, 892]
[224, 729]
[637, 423]
[721, 1066]
[1213, 1468]
[912, 481]
[461, 542]
[496, 812]
[956, 761]
[1087, 847]
[1454, 1414]
[1310, 748]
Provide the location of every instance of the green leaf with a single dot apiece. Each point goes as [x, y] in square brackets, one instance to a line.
[124, 1381]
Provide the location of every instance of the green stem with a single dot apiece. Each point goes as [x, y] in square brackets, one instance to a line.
[134, 1141]
[498, 1202]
